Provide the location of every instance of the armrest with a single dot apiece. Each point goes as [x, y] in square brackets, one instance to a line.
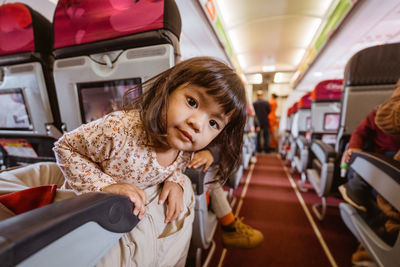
[322, 151]
[23, 235]
[197, 177]
[301, 142]
[381, 173]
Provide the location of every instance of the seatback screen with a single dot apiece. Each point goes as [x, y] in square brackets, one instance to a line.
[331, 121]
[308, 122]
[100, 98]
[13, 112]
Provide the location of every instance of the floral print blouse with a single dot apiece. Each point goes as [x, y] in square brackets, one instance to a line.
[112, 150]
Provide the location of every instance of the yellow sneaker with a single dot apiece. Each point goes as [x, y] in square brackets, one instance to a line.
[241, 236]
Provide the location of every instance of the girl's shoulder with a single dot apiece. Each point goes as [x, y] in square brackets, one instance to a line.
[117, 122]
[128, 117]
[122, 114]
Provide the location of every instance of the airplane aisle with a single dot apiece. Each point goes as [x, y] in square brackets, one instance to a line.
[271, 205]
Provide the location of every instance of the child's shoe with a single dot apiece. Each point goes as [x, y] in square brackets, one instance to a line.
[362, 258]
[240, 235]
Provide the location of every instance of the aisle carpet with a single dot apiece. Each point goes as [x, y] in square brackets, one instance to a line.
[271, 206]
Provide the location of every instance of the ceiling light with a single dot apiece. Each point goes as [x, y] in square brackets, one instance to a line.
[254, 78]
[268, 68]
[282, 77]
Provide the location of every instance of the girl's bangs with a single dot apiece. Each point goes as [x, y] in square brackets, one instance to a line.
[230, 102]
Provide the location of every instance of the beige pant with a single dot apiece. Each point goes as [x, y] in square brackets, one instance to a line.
[150, 243]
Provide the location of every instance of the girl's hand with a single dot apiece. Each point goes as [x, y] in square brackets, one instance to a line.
[174, 193]
[136, 195]
[203, 157]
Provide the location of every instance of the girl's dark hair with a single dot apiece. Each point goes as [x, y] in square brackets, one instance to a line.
[220, 82]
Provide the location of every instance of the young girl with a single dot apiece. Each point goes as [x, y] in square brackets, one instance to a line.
[132, 151]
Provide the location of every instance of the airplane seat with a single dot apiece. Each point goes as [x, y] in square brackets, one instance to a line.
[29, 116]
[325, 114]
[283, 135]
[370, 79]
[98, 40]
[249, 142]
[284, 144]
[247, 150]
[293, 133]
[325, 110]
[300, 160]
[234, 180]
[252, 137]
[365, 87]
[117, 45]
[384, 176]
[205, 221]
[39, 236]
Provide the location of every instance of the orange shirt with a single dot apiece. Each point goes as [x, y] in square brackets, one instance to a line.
[272, 116]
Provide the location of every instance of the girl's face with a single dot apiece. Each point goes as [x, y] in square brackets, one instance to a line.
[194, 118]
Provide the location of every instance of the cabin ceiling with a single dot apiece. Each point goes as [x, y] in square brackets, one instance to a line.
[271, 35]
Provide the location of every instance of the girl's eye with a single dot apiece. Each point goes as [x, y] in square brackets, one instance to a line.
[214, 124]
[192, 102]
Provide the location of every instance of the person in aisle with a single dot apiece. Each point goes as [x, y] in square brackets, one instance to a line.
[273, 121]
[235, 233]
[142, 150]
[262, 110]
